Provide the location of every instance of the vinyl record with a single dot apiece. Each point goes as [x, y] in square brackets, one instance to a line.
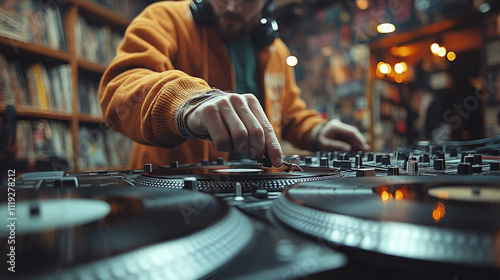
[117, 233]
[448, 220]
[222, 178]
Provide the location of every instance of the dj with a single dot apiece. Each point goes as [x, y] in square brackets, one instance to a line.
[187, 72]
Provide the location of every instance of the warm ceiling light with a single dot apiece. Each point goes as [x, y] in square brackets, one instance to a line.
[451, 56]
[386, 28]
[362, 4]
[384, 68]
[435, 48]
[292, 61]
[399, 68]
[442, 51]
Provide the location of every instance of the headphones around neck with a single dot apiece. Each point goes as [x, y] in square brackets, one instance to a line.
[262, 35]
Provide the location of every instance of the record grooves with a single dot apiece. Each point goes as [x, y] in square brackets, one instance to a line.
[222, 178]
[166, 231]
[400, 216]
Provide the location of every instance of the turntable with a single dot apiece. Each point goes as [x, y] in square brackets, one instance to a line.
[145, 233]
[223, 178]
[450, 223]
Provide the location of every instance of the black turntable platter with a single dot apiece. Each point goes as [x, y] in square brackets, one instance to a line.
[146, 233]
[102, 233]
[452, 220]
[222, 178]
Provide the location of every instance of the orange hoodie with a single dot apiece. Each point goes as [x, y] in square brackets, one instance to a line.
[166, 59]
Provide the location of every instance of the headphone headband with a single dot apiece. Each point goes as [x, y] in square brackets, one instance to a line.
[262, 35]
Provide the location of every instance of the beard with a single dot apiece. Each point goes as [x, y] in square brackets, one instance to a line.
[232, 27]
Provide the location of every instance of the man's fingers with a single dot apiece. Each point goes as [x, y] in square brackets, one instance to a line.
[255, 140]
[272, 144]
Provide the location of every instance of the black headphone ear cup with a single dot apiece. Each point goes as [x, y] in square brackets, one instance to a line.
[264, 33]
[202, 13]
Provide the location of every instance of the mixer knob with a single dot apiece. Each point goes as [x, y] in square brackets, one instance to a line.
[453, 153]
[190, 183]
[464, 168]
[494, 166]
[392, 170]
[345, 156]
[412, 166]
[470, 159]
[426, 158]
[439, 164]
[336, 155]
[238, 192]
[432, 149]
[174, 164]
[220, 161]
[308, 160]
[369, 156]
[205, 162]
[476, 168]
[323, 162]
[345, 165]
[366, 172]
[148, 167]
[361, 153]
[478, 159]
[386, 160]
[358, 161]
[378, 158]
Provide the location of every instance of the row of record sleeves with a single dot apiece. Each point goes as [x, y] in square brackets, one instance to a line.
[47, 87]
[43, 139]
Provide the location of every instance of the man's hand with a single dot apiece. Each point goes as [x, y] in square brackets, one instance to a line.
[237, 122]
[338, 136]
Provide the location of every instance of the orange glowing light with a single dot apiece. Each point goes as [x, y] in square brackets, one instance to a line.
[385, 196]
[438, 212]
[398, 195]
[435, 48]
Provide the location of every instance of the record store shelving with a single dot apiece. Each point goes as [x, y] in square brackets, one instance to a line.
[26, 49]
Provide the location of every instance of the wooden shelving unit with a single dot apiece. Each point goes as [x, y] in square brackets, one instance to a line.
[15, 50]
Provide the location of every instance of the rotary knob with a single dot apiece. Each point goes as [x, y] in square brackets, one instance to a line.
[148, 167]
[464, 168]
[494, 166]
[190, 183]
[174, 164]
[386, 160]
[358, 161]
[392, 170]
[369, 156]
[366, 172]
[412, 166]
[439, 164]
[220, 161]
